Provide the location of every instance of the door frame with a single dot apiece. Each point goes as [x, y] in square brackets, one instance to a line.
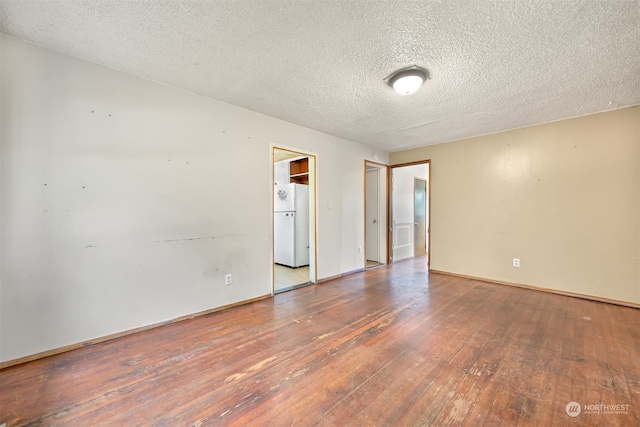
[415, 182]
[381, 168]
[390, 201]
[313, 196]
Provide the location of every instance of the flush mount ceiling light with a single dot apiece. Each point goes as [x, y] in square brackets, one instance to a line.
[407, 80]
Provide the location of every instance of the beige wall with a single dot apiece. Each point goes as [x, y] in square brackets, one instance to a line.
[563, 197]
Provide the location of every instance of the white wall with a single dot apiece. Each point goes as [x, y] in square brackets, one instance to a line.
[124, 201]
[402, 208]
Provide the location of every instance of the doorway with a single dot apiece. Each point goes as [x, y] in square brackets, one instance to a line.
[375, 214]
[409, 211]
[294, 236]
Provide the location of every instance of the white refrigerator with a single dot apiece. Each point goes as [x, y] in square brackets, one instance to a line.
[291, 225]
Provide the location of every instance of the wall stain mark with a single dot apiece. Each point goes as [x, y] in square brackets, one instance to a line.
[184, 240]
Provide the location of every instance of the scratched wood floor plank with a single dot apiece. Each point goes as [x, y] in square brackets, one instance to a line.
[389, 346]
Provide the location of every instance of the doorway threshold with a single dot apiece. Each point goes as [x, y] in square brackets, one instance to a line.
[373, 264]
[290, 288]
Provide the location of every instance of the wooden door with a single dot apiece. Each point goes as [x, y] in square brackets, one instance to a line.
[372, 248]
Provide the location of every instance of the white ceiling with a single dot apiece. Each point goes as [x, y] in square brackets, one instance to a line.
[494, 65]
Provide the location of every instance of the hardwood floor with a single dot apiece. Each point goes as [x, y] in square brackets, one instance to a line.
[387, 347]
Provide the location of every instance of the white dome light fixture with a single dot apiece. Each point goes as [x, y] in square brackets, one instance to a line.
[407, 80]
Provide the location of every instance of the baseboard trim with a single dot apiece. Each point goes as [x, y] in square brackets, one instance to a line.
[338, 276]
[541, 289]
[91, 342]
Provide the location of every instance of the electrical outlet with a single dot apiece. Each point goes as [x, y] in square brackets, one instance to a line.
[227, 279]
[516, 262]
[359, 249]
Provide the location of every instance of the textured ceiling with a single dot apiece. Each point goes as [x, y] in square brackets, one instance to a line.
[494, 65]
